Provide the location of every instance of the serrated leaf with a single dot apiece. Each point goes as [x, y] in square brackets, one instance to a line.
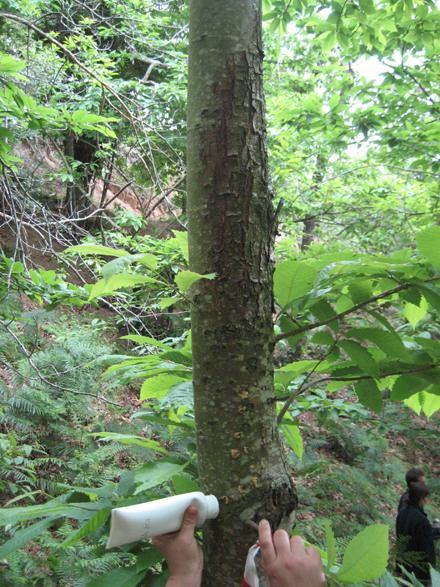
[360, 291]
[425, 401]
[119, 264]
[122, 577]
[182, 239]
[177, 357]
[293, 437]
[157, 387]
[23, 536]
[116, 282]
[415, 313]
[187, 424]
[126, 483]
[185, 279]
[432, 295]
[95, 522]
[366, 556]
[165, 303]
[128, 439]
[360, 355]
[292, 280]
[411, 295]
[184, 485]
[148, 558]
[369, 395]
[323, 310]
[324, 337]
[428, 243]
[154, 474]
[331, 545]
[389, 343]
[407, 385]
[147, 340]
[96, 250]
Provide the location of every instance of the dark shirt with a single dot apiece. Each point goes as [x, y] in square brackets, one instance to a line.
[414, 535]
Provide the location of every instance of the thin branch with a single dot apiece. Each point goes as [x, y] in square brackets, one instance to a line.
[350, 380]
[317, 324]
[46, 381]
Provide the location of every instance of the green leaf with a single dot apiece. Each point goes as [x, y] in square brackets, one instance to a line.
[324, 337]
[299, 367]
[407, 385]
[329, 42]
[52, 508]
[293, 437]
[432, 295]
[96, 250]
[389, 343]
[366, 556]
[425, 401]
[360, 355]
[158, 386]
[369, 395]
[103, 287]
[119, 264]
[415, 313]
[126, 483]
[182, 238]
[323, 310]
[331, 545]
[165, 303]
[185, 279]
[148, 558]
[95, 522]
[156, 473]
[184, 485]
[177, 357]
[292, 280]
[23, 536]
[128, 439]
[360, 291]
[387, 580]
[148, 341]
[428, 243]
[122, 577]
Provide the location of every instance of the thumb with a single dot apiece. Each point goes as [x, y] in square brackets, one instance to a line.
[190, 517]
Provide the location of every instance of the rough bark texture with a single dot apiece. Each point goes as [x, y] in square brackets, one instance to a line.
[232, 227]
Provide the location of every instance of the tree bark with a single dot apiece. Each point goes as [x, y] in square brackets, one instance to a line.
[232, 227]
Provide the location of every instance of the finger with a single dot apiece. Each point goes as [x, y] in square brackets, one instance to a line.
[261, 565]
[281, 542]
[297, 544]
[313, 553]
[266, 544]
[190, 520]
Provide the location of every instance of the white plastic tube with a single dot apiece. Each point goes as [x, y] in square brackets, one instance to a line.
[154, 518]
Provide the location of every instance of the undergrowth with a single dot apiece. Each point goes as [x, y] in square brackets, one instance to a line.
[352, 471]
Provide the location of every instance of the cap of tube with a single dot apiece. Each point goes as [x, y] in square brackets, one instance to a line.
[213, 506]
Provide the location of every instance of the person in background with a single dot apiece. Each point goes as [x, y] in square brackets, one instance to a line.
[412, 476]
[286, 562]
[415, 541]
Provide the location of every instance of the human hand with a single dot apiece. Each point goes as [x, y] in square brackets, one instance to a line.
[183, 553]
[287, 563]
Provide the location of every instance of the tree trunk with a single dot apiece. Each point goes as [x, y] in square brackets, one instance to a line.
[232, 228]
